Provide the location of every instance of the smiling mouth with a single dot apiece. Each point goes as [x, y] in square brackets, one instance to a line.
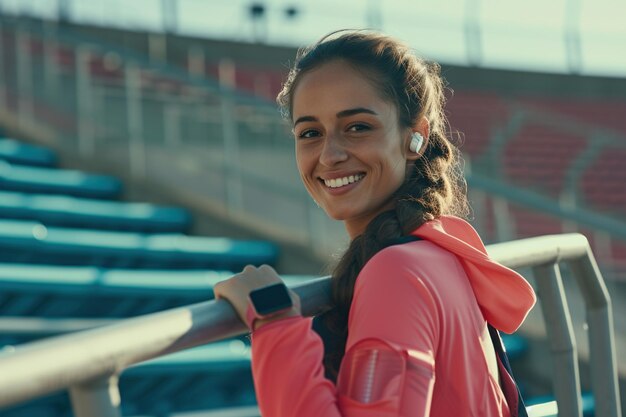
[343, 181]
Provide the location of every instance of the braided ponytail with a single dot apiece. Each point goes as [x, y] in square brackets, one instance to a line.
[434, 186]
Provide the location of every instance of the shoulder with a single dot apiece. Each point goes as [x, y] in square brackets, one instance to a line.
[394, 298]
[417, 257]
[415, 265]
[404, 263]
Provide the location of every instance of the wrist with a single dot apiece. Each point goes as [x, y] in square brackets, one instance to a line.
[258, 323]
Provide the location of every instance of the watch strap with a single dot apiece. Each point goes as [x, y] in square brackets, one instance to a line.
[251, 316]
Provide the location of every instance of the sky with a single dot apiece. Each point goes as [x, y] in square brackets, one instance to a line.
[532, 35]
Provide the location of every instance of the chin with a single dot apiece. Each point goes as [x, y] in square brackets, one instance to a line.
[338, 214]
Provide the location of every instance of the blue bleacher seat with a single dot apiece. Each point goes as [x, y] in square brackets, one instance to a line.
[32, 242]
[208, 377]
[20, 153]
[50, 296]
[213, 376]
[57, 210]
[58, 181]
[90, 292]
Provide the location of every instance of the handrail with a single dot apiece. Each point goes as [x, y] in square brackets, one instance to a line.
[90, 360]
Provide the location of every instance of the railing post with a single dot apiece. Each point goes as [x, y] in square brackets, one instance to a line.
[97, 398]
[556, 314]
[601, 336]
[132, 75]
[25, 112]
[84, 100]
[505, 227]
[171, 124]
[232, 174]
[3, 81]
[50, 61]
[196, 62]
[157, 47]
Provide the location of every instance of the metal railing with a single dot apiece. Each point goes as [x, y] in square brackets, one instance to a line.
[88, 362]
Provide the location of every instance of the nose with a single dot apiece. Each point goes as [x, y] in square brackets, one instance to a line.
[333, 151]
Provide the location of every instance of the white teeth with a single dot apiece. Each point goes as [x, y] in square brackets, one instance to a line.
[340, 182]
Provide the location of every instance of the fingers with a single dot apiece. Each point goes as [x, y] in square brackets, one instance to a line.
[251, 277]
[218, 289]
[267, 268]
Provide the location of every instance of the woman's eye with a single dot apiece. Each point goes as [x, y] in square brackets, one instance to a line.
[307, 134]
[358, 127]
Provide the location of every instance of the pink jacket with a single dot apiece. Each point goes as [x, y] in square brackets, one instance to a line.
[417, 336]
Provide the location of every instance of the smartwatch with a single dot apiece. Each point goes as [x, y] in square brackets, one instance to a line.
[267, 302]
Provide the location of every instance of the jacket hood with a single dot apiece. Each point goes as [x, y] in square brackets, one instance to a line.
[503, 295]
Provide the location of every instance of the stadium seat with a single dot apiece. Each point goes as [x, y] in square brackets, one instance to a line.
[38, 301]
[57, 181]
[476, 116]
[609, 114]
[89, 292]
[603, 184]
[20, 153]
[538, 157]
[32, 242]
[528, 223]
[209, 377]
[68, 211]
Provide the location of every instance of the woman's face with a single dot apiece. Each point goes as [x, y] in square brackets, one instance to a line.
[350, 149]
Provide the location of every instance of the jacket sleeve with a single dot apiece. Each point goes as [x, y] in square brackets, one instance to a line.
[388, 368]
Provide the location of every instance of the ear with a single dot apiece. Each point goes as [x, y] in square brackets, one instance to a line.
[422, 126]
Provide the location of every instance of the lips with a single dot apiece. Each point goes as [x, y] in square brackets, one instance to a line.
[342, 181]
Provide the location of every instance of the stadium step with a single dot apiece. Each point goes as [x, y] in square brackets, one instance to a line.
[49, 292]
[20, 153]
[209, 377]
[68, 211]
[58, 181]
[32, 242]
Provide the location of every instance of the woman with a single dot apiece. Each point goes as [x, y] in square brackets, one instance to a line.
[415, 290]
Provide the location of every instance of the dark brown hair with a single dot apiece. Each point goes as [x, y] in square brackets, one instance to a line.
[434, 187]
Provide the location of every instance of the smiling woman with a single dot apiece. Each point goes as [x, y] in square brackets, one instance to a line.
[417, 299]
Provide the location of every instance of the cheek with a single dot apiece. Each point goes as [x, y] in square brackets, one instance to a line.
[300, 161]
[305, 164]
[394, 168]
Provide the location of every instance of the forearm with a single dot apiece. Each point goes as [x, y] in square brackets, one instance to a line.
[288, 372]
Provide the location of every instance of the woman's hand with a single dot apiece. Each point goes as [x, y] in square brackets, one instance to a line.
[237, 288]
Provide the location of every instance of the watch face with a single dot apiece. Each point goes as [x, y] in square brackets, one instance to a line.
[270, 299]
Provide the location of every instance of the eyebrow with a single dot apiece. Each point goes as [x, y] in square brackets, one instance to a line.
[341, 114]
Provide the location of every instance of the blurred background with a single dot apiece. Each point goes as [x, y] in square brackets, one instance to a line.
[154, 128]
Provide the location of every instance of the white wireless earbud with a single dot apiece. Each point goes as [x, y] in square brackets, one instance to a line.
[416, 142]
